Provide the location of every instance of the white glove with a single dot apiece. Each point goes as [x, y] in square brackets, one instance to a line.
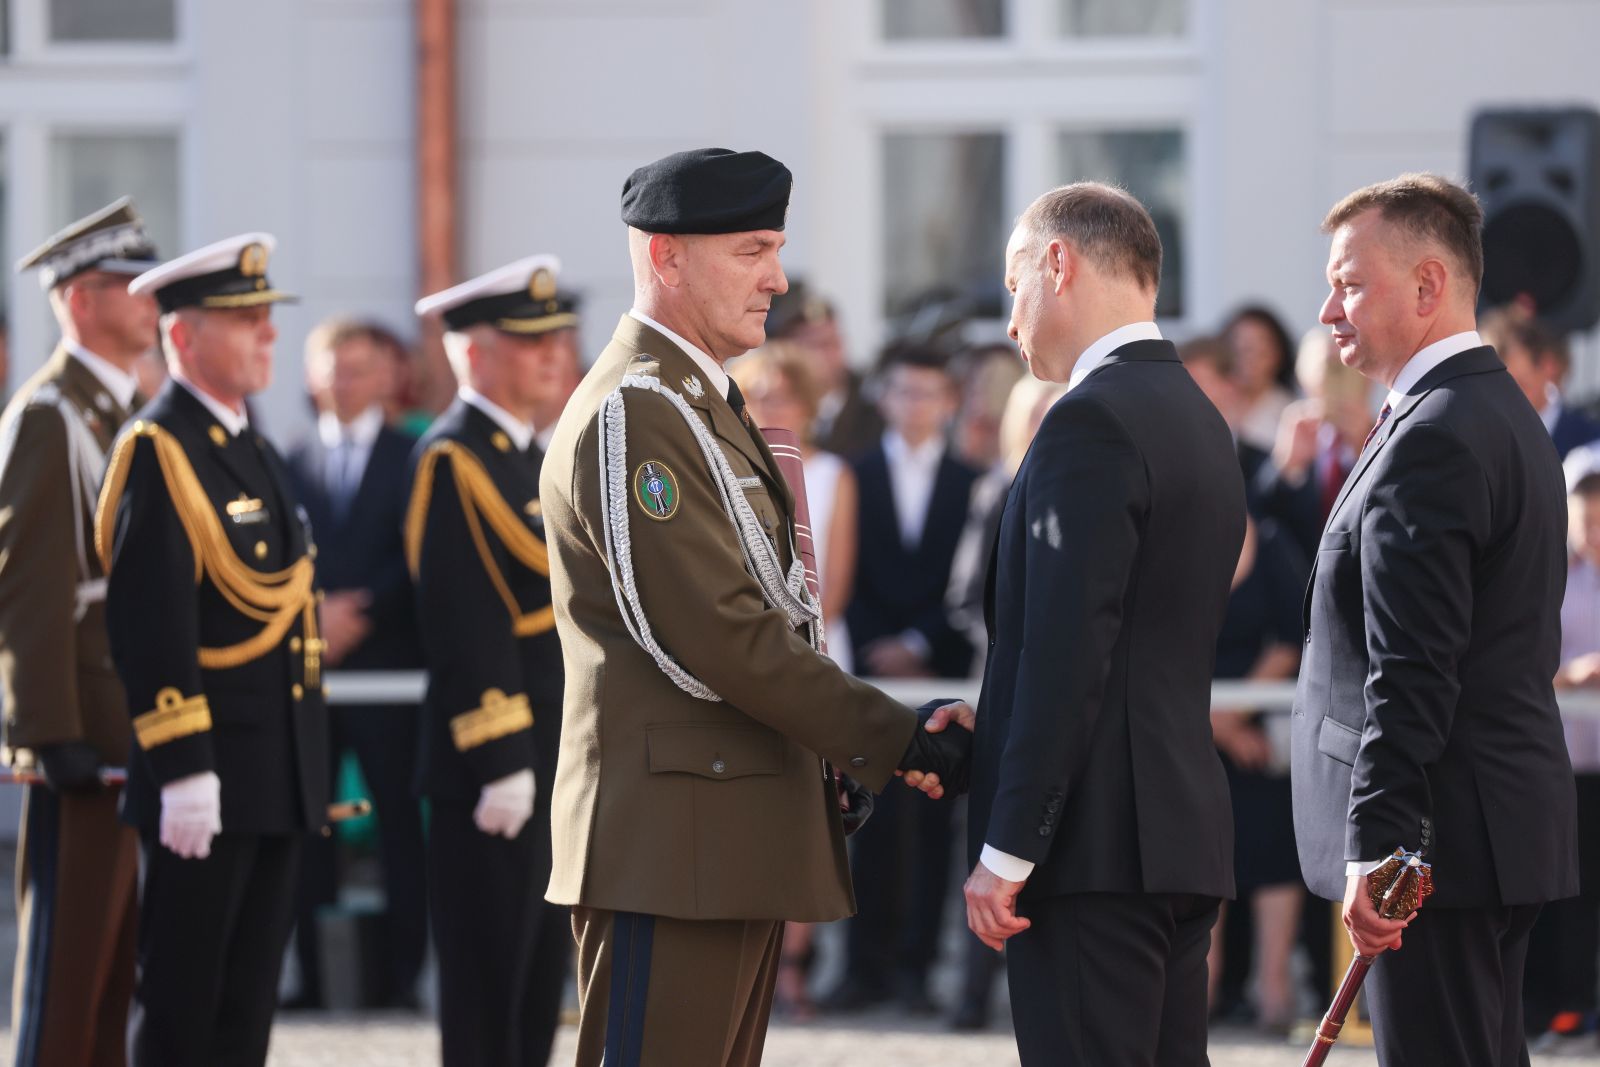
[191, 814]
[505, 804]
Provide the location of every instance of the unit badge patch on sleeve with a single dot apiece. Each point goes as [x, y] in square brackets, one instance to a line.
[655, 487]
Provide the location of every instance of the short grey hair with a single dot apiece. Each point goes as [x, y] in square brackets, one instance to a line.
[1105, 224]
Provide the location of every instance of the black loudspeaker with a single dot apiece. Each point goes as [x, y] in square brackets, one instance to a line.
[1537, 174]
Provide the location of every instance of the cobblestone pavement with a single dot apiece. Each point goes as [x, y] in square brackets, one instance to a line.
[378, 1042]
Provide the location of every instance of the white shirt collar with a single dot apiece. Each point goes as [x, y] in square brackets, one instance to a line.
[118, 382]
[1096, 353]
[1427, 359]
[924, 456]
[708, 366]
[521, 433]
[362, 431]
[235, 422]
[1551, 412]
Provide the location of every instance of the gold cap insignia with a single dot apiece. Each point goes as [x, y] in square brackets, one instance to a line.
[542, 286]
[219, 436]
[253, 260]
[501, 441]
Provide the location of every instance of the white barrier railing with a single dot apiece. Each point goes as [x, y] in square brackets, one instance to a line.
[405, 687]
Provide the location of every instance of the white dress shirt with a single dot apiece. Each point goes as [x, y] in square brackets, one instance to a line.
[235, 422]
[118, 382]
[1551, 412]
[1096, 353]
[349, 446]
[708, 366]
[1424, 361]
[1004, 864]
[521, 433]
[912, 472]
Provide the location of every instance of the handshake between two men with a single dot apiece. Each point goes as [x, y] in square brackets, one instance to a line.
[938, 762]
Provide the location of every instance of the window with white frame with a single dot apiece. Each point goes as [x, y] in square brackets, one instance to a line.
[1150, 165]
[944, 224]
[119, 21]
[910, 20]
[88, 170]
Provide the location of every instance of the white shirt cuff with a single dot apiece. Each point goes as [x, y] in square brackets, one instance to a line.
[1362, 867]
[1005, 865]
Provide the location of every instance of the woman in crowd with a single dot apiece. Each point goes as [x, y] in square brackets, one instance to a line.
[1264, 372]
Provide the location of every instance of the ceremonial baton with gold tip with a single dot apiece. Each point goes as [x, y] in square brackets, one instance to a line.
[1397, 888]
[116, 776]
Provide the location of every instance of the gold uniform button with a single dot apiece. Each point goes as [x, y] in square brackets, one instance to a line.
[261, 550]
[294, 644]
[297, 691]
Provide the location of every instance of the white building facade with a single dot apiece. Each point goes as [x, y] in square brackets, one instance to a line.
[917, 129]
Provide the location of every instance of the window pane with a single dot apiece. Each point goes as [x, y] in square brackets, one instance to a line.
[909, 20]
[1150, 165]
[1124, 18]
[112, 20]
[944, 222]
[89, 171]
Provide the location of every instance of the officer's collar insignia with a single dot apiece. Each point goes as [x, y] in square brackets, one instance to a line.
[692, 386]
[655, 487]
[501, 441]
[102, 401]
[219, 436]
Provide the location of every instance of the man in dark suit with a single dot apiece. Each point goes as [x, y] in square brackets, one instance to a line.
[847, 423]
[352, 478]
[914, 496]
[1426, 715]
[1099, 826]
[212, 615]
[1538, 361]
[492, 716]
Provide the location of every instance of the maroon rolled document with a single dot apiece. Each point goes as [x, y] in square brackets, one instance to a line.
[1397, 888]
[785, 448]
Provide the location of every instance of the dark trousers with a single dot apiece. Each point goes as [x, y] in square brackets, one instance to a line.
[211, 938]
[660, 992]
[900, 865]
[1453, 992]
[503, 951]
[1112, 980]
[384, 739]
[77, 880]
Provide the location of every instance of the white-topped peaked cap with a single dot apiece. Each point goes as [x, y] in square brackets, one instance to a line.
[231, 273]
[520, 298]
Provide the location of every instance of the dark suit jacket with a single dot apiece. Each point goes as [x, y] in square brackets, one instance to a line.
[898, 589]
[856, 427]
[1425, 715]
[466, 625]
[1093, 755]
[1572, 429]
[365, 550]
[268, 734]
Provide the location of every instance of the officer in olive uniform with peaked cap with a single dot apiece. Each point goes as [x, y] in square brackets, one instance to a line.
[212, 613]
[66, 717]
[492, 714]
[696, 807]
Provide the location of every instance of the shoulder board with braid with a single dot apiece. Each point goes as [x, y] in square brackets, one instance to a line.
[480, 502]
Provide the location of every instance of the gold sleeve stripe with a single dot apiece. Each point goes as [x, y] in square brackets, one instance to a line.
[480, 501]
[174, 716]
[272, 598]
[498, 716]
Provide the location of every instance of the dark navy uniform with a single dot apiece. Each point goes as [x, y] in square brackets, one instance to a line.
[212, 618]
[475, 542]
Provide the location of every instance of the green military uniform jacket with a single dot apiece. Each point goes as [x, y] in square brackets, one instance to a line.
[665, 803]
[55, 661]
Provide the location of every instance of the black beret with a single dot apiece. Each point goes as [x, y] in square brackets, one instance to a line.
[708, 190]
